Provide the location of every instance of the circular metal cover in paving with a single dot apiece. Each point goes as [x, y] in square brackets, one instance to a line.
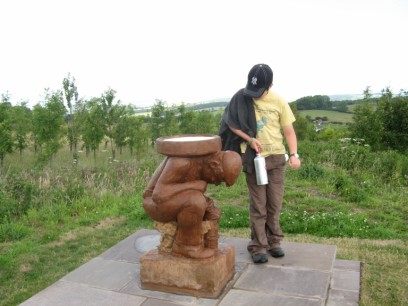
[188, 145]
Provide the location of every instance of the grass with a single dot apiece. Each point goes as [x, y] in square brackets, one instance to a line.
[29, 265]
[55, 219]
[332, 116]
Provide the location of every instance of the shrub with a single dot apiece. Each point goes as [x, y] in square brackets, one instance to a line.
[347, 187]
[19, 193]
[391, 167]
[311, 172]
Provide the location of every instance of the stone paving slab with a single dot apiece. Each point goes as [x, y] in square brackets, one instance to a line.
[250, 298]
[308, 275]
[70, 293]
[284, 281]
[297, 255]
[104, 274]
[343, 298]
[345, 280]
[350, 265]
[345, 283]
[133, 247]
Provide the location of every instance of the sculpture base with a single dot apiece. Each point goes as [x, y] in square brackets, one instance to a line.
[200, 278]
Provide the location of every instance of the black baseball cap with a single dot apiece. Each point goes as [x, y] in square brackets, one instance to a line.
[259, 79]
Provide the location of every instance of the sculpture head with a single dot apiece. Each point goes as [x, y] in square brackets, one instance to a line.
[231, 163]
[222, 166]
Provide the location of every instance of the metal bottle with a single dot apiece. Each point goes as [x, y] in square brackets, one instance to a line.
[260, 170]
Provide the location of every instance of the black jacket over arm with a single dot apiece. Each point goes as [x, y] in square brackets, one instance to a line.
[239, 114]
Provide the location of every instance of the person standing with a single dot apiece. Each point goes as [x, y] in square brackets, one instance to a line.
[253, 122]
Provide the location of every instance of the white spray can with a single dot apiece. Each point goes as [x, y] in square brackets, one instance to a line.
[260, 170]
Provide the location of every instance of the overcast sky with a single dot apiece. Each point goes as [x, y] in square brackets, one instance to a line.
[189, 51]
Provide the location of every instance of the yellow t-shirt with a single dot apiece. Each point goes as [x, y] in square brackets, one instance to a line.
[272, 113]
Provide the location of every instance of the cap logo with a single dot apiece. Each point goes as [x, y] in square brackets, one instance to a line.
[254, 81]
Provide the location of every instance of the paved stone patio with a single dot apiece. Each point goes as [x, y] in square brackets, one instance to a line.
[308, 275]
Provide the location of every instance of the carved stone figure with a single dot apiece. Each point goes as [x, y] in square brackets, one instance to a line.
[175, 194]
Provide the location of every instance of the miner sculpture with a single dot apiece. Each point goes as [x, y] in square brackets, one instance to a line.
[176, 190]
[175, 198]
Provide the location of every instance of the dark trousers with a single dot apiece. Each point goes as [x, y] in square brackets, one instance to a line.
[265, 204]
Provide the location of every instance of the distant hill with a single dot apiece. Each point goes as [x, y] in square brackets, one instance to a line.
[348, 97]
[213, 100]
[222, 102]
[205, 105]
[216, 103]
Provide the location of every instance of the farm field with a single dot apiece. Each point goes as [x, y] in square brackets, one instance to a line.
[332, 116]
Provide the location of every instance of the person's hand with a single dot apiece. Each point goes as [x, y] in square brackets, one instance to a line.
[294, 162]
[256, 145]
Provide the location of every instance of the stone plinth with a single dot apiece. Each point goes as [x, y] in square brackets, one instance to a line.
[200, 278]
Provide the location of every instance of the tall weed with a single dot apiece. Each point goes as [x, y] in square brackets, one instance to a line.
[358, 160]
[13, 231]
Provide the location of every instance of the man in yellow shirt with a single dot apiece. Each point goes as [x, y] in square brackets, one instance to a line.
[253, 122]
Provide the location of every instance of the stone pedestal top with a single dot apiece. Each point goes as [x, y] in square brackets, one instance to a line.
[188, 145]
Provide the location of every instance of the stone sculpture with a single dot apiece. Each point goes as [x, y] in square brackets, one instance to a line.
[189, 259]
[175, 197]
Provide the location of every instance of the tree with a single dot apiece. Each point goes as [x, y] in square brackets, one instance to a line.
[186, 119]
[137, 134]
[112, 112]
[6, 139]
[205, 123]
[21, 121]
[314, 102]
[366, 125]
[170, 126]
[342, 107]
[156, 122]
[5, 98]
[92, 124]
[403, 93]
[71, 93]
[386, 126]
[393, 114]
[121, 130]
[367, 93]
[386, 93]
[48, 121]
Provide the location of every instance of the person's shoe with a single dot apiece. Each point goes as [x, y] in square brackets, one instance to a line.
[259, 258]
[277, 252]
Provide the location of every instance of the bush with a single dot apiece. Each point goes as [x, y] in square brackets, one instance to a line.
[311, 172]
[391, 167]
[16, 196]
[347, 187]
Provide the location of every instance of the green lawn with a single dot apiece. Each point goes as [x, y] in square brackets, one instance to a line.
[332, 116]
